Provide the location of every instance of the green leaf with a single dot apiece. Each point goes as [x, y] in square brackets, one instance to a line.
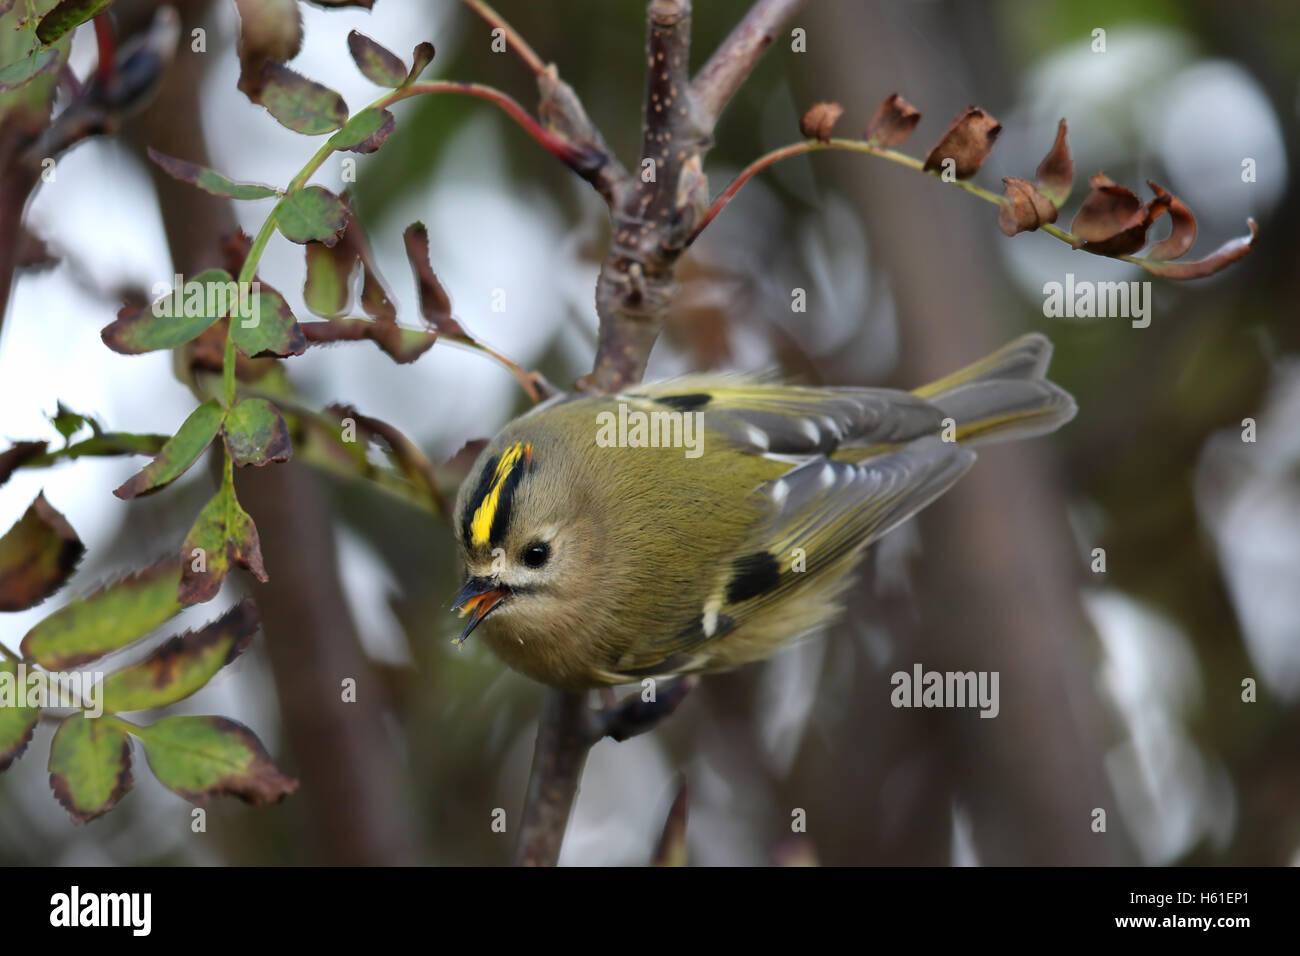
[42, 60]
[37, 555]
[328, 287]
[298, 103]
[106, 620]
[183, 664]
[202, 757]
[256, 433]
[181, 451]
[313, 214]
[209, 180]
[435, 304]
[16, 722]
[68, 15]
[378, 64]
[207, 297]
[67, 422]
[365, 132]
[30, 104]
[90, 766]
[223, 533]
[268, 327]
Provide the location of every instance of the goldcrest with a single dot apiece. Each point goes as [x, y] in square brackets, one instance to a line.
[701, 523]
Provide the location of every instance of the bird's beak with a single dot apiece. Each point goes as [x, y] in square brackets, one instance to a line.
[479, 598]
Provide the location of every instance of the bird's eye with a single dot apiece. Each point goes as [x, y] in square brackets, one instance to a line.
[537, 554]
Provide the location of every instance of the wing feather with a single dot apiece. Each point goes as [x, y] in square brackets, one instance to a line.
[830, 510]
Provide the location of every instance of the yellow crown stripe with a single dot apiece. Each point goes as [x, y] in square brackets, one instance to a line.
[480, 527]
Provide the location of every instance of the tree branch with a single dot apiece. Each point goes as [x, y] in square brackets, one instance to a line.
[653, 214]
[657, 210]
[562, 112]
[739, 53]
[566, 731]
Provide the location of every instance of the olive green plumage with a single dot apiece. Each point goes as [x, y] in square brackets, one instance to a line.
[592, 564]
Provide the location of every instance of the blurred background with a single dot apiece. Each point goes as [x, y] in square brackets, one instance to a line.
[1120, 690]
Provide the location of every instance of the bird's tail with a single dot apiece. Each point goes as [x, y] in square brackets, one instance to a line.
[1004, 395]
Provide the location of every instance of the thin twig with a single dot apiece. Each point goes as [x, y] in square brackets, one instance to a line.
[513, 39]
[566, 732]
[573, 154]
[534, 385]
[864, 146]
[563, 740]
[562, 112]
[733, 61]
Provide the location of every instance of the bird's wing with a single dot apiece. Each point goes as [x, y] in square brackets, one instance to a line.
[795, 420]
[814, 517]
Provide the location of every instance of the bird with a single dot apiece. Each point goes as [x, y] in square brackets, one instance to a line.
[699, 524]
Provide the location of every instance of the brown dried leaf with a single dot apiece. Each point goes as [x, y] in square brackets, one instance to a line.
[12, 458]
[967, 142]
[435, 305]
[400, 344]
[1112, 221]
[1106, 211]
[893, 122]
[1183, 233]
[1025, 209]
[819, 120]
[1056, 171]
[1220, 258]
[375, 300]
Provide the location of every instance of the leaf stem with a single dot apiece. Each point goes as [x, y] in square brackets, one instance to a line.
[107, 49]
[527, 380]
[559, 146]
[513, 39]
[122, 724]
[862, 146]
[565, 149]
